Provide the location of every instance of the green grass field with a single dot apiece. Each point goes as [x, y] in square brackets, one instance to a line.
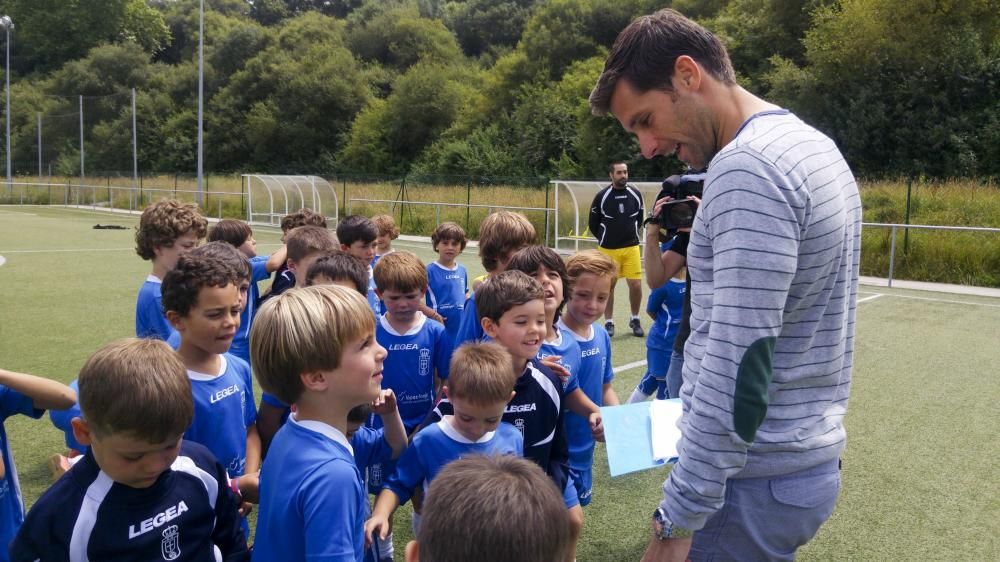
[920, 477]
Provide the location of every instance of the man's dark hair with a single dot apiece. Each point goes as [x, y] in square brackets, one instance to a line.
[611, 166]
[182, 284]
[356, 227]
[645, 52]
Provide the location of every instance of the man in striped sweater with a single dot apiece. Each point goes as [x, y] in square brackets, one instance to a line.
[773, 258]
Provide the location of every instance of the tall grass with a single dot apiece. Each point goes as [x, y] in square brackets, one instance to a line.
[971, 258]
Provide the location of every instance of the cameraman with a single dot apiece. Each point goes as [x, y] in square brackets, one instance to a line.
[660, 267]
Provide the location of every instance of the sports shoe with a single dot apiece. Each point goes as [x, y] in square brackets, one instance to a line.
[636, 328]
[610, 327]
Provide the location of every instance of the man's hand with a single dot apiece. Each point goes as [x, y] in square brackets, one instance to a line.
[667, 550]
[385, 403]
[597, 426]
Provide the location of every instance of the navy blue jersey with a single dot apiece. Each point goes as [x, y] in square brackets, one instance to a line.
[446, 289]
[223, 410]
[439, 444]
[537, 412]
[189, 513]
[284, 279]
[312, 503]
[411, 362]
[150, 321]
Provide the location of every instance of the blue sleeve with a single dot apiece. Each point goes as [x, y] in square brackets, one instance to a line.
[328, 504]
[656, 298]
[442, 351]
[572, 383]
[469, 329]
[409, 473]
[13, 402]
[258, 269]
[370, 447]
[609, 372]
[250, 409]
[465, 278]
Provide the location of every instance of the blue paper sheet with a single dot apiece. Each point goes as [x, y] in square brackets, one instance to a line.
[628, 436]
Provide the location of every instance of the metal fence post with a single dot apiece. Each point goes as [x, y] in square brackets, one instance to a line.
[546, 213]
[906, 232]
[468, 201]
[892, 254]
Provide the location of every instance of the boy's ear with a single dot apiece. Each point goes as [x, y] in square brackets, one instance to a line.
[444, 392]
[81, 431]
[512, 393]
[292, 266]
[175, 319]
[412, 551]
[345, 247]
[316, 381]
[489, 327]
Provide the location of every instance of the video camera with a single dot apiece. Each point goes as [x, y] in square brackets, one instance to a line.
[679, 212]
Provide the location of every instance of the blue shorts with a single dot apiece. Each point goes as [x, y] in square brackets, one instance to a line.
[583, 482]
[569, 494]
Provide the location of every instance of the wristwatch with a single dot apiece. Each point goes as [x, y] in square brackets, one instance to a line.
[664, 529]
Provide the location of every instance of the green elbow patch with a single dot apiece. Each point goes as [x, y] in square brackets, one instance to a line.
[752, 381]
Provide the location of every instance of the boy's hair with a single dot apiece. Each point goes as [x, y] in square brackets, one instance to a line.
[302, 217]
[500, 234]
[164, 222]
[505, 290]
[590, 261]
[359, 414]
[339, 265]
[448, 231]
[386, 225]
[307, 240]
[182, 284]
[233, 231]
[356, 227]
[136, 386]
[531, 258]
[468, 513]
[225, 252]
[481, 374]
[305, 330]
[645, 53]
[400, 271]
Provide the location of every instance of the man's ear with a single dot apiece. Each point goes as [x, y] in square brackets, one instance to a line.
[412, 551]
[687, 73]
[490, 328]
[81, 431]
[316, 381]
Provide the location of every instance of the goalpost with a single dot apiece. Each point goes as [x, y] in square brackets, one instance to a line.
[270, 197]
[572, 209]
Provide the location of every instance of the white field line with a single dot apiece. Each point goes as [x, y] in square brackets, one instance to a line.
[871, 298]
[3, 260]
[63, 251]
[629, 366]
[947, 301]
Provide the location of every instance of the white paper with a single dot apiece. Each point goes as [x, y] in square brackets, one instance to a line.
[664, 416]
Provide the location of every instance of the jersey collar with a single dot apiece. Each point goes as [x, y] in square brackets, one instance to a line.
[575, 335]
[326, 430]
[421, 319]
[202, 377]
[454, 435]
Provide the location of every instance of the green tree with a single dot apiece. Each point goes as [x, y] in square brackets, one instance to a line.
[399, 38]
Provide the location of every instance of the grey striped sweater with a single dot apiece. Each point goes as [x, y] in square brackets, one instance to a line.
[773, 260]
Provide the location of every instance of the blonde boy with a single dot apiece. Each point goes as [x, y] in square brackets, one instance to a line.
[482, 385]
[315, 348]
[387, 232]
[167, 230]
[501, 234]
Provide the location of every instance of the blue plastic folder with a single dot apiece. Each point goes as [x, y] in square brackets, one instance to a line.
[628, 437]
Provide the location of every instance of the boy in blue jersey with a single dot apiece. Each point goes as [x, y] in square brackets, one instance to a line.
[387, 232]
[512, 307]
[140, 492]
[357, 235]
[522, 523]
[376, 447]
[665, 307]
[481, 386]
[314, 348]
[30, 396]
[501, 234]
[284, 278]
[447, 280]
[591, 275]
[305, 245]
[167, 230]
[202, 300]
[239, 235]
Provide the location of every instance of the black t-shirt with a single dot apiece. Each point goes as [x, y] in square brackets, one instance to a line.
[684, 329]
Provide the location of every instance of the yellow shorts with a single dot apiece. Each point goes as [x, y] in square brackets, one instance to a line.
[629, 261]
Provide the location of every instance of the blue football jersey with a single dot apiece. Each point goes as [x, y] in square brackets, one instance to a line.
[370, 447]
[469, 328]
[446, 289]
[241, 342]
[667, 302]
[595, 371]
[439, 444]
[410, 365]
[150, 321]
[223, 410]
[11, 503]
[312, 503]
[374, 302]
[566, 348]
[188, 514]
